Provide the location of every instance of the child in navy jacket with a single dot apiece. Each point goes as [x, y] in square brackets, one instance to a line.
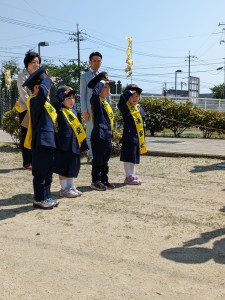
[101, 135]
[40, 137]
[71, 141]
[133, 139]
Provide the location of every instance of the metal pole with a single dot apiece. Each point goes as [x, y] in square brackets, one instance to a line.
[175, 84]
[78, 52]
[224, 81]
[189, 68]
[78, 46]
[42, 44]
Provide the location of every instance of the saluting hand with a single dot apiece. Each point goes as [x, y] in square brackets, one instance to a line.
[86, 116]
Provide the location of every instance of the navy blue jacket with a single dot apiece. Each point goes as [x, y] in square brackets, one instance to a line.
[101, 123]
[129, 129]
[66, 138]
[43, 129]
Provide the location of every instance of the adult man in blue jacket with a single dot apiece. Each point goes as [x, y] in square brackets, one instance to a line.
[95, 61]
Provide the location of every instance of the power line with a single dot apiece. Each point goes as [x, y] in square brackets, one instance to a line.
[31, 25]
[78, 37]
[123, 49]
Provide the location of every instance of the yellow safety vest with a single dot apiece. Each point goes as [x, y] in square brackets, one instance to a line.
[139, 126]
[108, 110]
[75, 124]
[18, 108]
[52, 113]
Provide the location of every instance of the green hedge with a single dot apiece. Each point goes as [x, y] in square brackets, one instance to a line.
[164, 114]
[161, 114]
[11, 125]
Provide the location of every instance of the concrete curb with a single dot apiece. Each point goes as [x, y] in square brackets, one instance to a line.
[177, 154]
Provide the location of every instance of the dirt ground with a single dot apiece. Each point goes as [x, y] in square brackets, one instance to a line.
[163, 240]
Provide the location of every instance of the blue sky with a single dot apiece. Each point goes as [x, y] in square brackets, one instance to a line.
[163, 33]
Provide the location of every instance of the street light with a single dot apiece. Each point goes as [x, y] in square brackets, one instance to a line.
[42, 44]
[177, 71]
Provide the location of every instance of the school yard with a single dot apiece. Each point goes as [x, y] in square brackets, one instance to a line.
[162, 240]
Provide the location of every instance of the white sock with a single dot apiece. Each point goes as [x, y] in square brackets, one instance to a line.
[127, 168]
[63, 184]
[69, 182]
[132, 169]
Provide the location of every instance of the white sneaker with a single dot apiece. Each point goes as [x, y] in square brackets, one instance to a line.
[68, 193]
[132, 180]
[77, 191]
[44, 204]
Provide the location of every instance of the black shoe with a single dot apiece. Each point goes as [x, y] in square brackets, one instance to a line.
[109, 186]
[44, 204]
[99, 186]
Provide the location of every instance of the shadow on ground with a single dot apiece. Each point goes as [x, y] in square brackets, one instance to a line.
[23, 200]
[190, 254]
[2, 171]
[9, 148]
[213, 167]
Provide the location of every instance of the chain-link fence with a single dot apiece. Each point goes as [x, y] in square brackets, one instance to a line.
[7, 101]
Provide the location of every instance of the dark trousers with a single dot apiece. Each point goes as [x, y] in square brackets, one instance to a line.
[26, 153]
[101, 154]
[42, 170]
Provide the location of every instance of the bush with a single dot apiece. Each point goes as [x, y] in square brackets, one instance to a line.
[116, 146]
[164, 114]
[11, 125]
[118, 119]
[179, 116]
[154, 114]
[211, 121]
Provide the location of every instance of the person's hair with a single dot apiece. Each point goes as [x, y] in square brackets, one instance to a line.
[95, 54]
[29, 56]
[31, 86]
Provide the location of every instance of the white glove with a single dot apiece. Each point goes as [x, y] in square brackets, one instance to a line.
[132, 92]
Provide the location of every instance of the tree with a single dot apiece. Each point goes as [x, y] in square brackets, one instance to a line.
[8, 94]
[11, 65]
[218, 91]
[66, 74]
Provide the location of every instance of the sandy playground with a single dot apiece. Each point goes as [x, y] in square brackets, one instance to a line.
[162, 240]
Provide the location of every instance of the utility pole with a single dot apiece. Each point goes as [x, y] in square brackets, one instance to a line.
[222, 41]
[164, 92]
[189, 71]
[78, 37]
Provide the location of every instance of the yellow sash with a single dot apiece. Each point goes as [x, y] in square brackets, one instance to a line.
[139, 126]
[18, 108]
[75, 124]
[52, 113]
[108, 110]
